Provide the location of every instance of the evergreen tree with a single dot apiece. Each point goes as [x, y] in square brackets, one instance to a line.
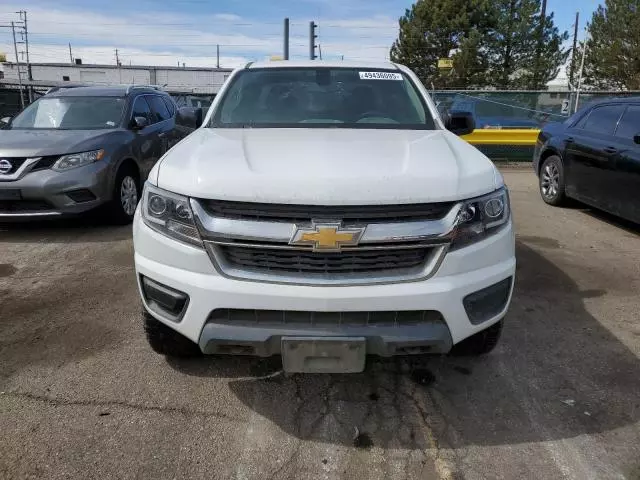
[434, 29]
[613, 47]
[522, 54]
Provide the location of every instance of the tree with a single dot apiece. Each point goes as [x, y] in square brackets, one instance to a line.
[433, 29]
[523, 53]
[613, 46]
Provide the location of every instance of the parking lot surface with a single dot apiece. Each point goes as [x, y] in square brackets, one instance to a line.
[83, 396]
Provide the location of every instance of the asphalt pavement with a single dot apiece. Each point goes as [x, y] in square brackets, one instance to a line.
[82, 396]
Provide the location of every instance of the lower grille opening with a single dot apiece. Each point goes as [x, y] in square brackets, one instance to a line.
[346, 262]
[266, 318]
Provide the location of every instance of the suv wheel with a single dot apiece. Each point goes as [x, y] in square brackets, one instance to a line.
[166, 341]
[481, 343]
[551, 181]
[126, 193]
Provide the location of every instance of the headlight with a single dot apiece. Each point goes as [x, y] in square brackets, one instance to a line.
[169, 214]
[481, 217]
[67, 162]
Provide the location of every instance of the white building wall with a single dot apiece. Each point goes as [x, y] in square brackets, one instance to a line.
[172, 79]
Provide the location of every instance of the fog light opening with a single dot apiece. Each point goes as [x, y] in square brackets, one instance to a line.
[488, 302]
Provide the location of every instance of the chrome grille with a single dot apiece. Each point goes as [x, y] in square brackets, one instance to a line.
[398, 243]
[266, 318]
[300, 261]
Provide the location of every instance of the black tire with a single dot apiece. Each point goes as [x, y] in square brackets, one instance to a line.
[481, 343]
[166, 341]
[127, 184]
[551, 181]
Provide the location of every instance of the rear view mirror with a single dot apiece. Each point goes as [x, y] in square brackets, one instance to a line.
[189, 117]
[636, 138]
[138, 123]
[460, 123]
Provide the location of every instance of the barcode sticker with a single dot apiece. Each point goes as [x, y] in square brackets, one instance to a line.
[380, 76]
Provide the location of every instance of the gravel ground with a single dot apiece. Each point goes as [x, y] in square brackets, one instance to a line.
[82, 395]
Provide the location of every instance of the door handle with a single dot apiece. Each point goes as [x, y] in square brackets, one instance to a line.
[162, 134]
[610, 150]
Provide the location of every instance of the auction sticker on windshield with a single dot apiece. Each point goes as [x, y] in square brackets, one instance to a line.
[379, 76]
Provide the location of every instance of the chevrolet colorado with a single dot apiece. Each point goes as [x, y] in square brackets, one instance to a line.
[323, 212]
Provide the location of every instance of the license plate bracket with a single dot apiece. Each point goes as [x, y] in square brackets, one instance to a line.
[323, 354]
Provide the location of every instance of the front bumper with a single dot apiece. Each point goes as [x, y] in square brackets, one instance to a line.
[189, 270]
[45, 193]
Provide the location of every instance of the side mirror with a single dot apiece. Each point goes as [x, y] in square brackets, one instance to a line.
[460, 123]
[138, 123]
[636, 138]
[189, 117]
[5, 122]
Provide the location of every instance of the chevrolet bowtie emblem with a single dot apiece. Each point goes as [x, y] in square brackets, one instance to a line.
[326, 237]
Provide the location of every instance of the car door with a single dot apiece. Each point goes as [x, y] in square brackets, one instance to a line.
[146, 145]
[590, 156]
[179, 131]
[627, 174]
[166, 123]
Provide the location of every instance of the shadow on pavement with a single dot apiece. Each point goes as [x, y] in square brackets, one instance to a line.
[557, 373]
[87, 228]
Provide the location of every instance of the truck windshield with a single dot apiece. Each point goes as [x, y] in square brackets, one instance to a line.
[322, 97]
[71, 113]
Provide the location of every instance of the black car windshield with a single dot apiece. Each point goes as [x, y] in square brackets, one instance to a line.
[71, 113]
[322, 97]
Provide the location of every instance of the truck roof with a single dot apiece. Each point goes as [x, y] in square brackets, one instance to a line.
[323, 63]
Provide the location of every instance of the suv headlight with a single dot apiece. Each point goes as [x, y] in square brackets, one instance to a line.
[481, 217]
[74, 160]
[169, 214]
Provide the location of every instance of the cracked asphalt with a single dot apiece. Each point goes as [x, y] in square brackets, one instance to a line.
[83, 397]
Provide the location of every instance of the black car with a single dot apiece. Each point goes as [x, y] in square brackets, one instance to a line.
[76, 149]
[593, 157]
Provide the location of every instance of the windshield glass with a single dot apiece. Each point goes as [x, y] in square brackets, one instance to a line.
[71, 113]
[322, 97]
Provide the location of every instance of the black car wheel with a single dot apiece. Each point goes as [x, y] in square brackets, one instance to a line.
[126, 193]
[481, 343]
[551, 181]
[166, 341]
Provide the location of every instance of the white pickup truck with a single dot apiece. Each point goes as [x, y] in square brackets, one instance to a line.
[323, 212]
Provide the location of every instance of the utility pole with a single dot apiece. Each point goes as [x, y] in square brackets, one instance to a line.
[312, 40]
[70, 54]
[15, 49]
[320, 51]
[584, 53]
[23, 18]
[217, 56]
[573, 52]
[285, 47]
[543, 19]
[117, 58]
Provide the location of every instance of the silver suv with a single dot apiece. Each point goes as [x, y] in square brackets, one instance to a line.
[76, 149]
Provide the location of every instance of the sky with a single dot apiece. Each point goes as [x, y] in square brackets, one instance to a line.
[161, 32]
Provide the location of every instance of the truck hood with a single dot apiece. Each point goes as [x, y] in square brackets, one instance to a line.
[326, 166]
[39, 143]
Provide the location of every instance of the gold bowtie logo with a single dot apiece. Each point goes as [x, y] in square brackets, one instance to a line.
[326, 236]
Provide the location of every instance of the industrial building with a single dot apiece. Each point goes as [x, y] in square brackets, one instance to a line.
[196, 80]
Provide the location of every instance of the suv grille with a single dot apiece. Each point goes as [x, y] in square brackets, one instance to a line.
[346, 213]
[15, 164]
[297, 261]
[266, 318]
